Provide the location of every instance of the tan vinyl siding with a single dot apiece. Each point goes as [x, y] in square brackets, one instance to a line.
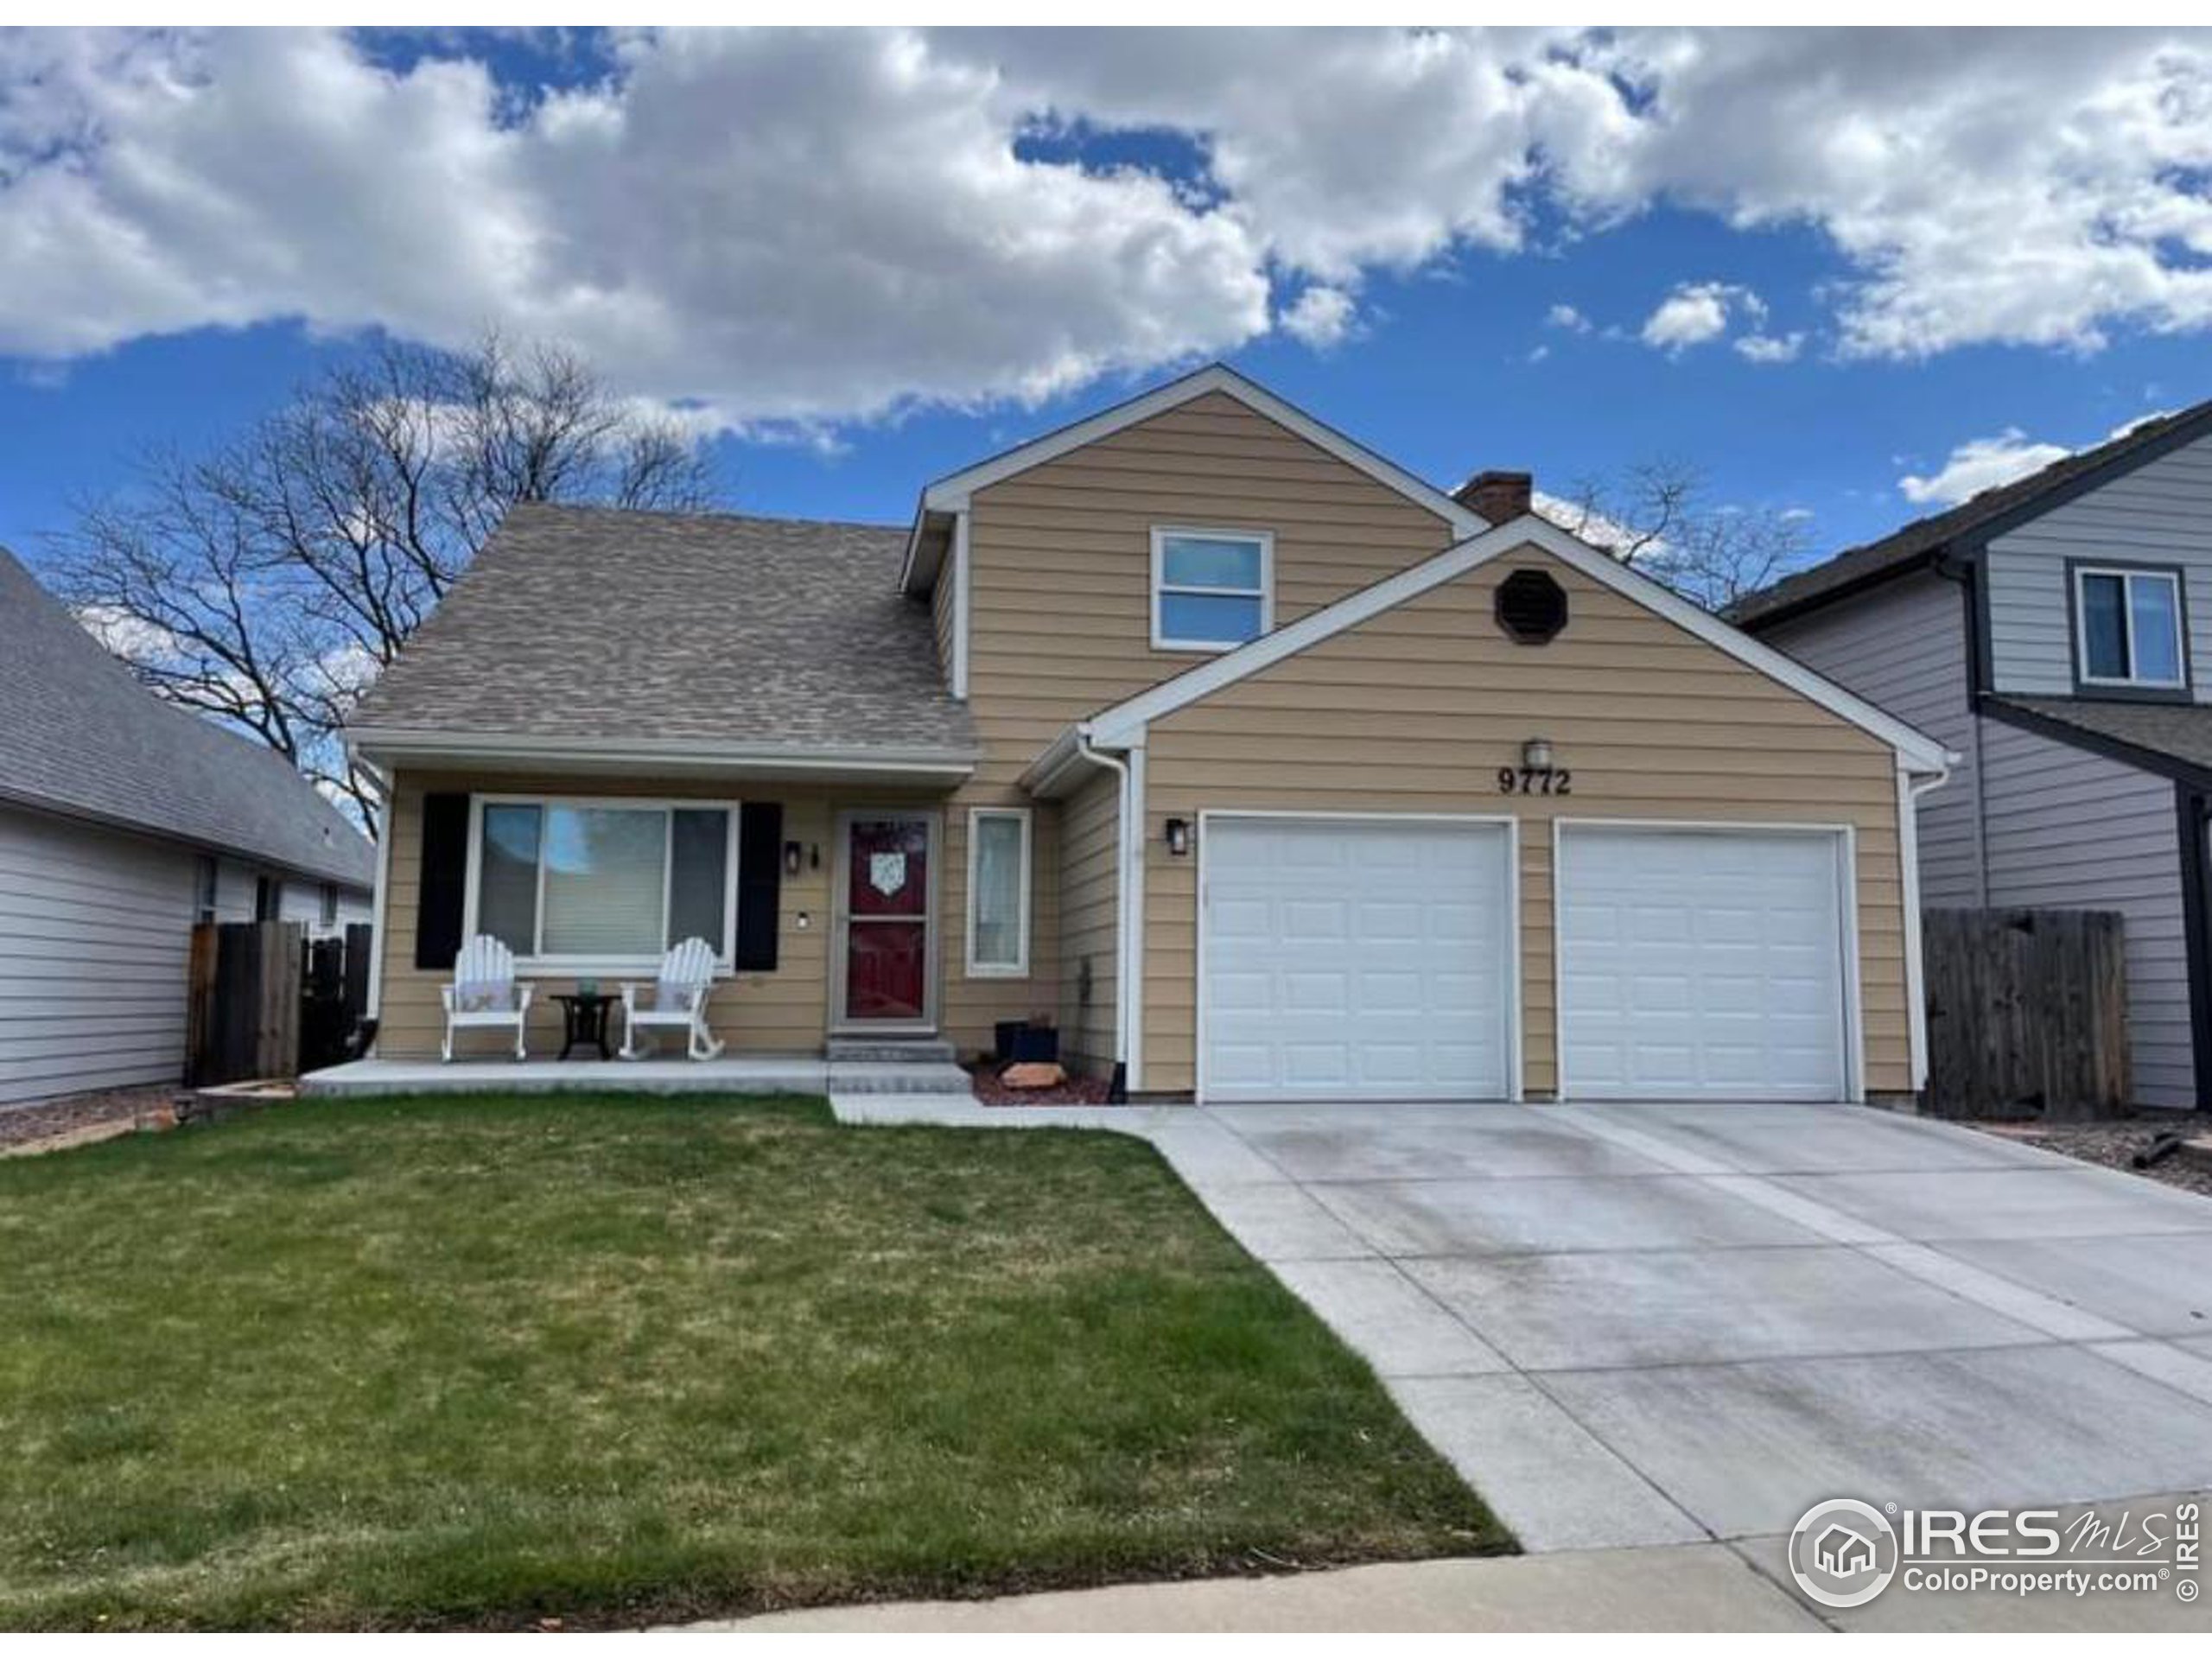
[1416, 709]
[786, 1011]
[1090, 897]
[940, 615]
[1059, 595]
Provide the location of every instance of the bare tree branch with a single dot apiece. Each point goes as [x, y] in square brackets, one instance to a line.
[268, 581]
[1658, 517]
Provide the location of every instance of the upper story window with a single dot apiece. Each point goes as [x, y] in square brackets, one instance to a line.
[1211, 590]
[2128, 628]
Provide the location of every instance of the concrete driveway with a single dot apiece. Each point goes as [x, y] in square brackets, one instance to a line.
[1655, 1324]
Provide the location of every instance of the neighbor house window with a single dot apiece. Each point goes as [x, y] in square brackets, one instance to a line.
[998, 891]
[1211, 590]
[2128, 623]
[330, 904]
[607, 884]
[208, 880]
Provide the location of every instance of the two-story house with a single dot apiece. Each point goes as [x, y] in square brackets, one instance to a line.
[1266, 769]
[2055, 633]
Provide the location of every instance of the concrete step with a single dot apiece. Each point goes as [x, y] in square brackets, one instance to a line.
[899, 1050]
[898, 1077]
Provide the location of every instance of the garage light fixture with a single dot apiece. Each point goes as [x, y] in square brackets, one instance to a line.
[1536, 753]
[1178, 837]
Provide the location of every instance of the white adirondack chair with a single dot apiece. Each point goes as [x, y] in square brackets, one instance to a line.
[484, 993]
[675, 1001]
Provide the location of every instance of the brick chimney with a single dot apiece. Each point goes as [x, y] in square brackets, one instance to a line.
[1496, 496]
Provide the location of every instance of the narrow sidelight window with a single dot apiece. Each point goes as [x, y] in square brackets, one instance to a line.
[998, 892]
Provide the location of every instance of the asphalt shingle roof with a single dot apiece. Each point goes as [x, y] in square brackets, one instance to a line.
[2179, 731]
[79, 735]
[1857, 566]
[601, 624]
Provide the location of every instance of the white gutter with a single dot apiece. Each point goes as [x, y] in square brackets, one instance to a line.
[1910, 788]
[1125, 889]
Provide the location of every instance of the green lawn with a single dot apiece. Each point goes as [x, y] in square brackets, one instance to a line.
[475, 1362]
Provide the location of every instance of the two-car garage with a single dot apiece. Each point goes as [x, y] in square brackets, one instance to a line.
[1384, 958]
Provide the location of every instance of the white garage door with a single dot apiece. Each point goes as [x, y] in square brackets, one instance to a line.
[1346, 959]
[1701, 964]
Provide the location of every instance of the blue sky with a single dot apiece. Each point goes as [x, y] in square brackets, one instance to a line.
[991, 236]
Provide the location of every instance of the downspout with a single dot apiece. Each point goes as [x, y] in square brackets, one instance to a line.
[1909, 789]
[1117, 1092]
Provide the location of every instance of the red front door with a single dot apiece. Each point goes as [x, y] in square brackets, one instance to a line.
[886, 920]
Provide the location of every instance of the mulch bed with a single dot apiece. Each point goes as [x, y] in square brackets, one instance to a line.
[2113, 1143]
[1076, 1091]
[51, 1117]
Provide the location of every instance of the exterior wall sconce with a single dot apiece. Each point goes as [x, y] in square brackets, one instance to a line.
[790, 858]
[1537, 754]
[1178, 837]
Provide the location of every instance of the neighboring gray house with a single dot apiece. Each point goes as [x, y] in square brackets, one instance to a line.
[123, 822]
[2057, 633]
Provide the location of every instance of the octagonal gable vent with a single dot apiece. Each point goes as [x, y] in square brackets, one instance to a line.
[1531, 606]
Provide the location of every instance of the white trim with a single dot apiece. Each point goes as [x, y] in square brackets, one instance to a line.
[961, 587]
[1852, 1026]
[401, 743]
[1265, 593]
[1909, 789]
[380, 902]
[1922, 751]
[1121, 1010]
[1019, 968]
[1137, 849]
[2128, 575]
[1516, 1010]
[952, 493]
[560, 967]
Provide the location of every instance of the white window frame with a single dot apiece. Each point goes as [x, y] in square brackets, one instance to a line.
[1019, 968]
[558, 965]
[2127, 576]
[1266, 592]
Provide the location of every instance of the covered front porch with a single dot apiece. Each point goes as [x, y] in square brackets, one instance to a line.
[729, 1074]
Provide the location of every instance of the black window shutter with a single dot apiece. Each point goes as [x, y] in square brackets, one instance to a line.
[444, 883]
[759, 882]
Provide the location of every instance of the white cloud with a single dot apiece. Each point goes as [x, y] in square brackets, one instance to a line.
[794, 227]
[1563, 315]
[1980, 464]
[1771, 348]
[1695, 312]
[1321, 316]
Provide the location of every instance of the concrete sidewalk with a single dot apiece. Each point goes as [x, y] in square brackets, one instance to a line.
[1690, 1588]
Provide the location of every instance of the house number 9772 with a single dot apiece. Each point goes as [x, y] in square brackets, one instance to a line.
[1534, 780]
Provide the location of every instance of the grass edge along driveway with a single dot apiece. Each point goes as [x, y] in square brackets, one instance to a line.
[471, 1362]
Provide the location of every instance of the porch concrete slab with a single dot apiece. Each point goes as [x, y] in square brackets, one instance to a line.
[1398, 1327]
[1480, 1143]
[1543, 1474]
[1663, 1308]
[730, 1074]
[1695, 1587]
[2159, 1284]
[1748, 1448]
[2041, 1202]
[897, 1078]
[1280, 1223]
[1782, 1139]
[1603, 1213]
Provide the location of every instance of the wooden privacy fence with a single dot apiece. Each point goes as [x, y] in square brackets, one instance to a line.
[267, 1001]
[2027, 1014]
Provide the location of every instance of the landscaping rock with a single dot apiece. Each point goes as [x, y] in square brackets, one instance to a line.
[1034, 1074]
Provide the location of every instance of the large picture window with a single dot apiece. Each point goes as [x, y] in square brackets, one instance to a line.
[603, 884]
[1211, 590]
[2128, 628]
[998, 892]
